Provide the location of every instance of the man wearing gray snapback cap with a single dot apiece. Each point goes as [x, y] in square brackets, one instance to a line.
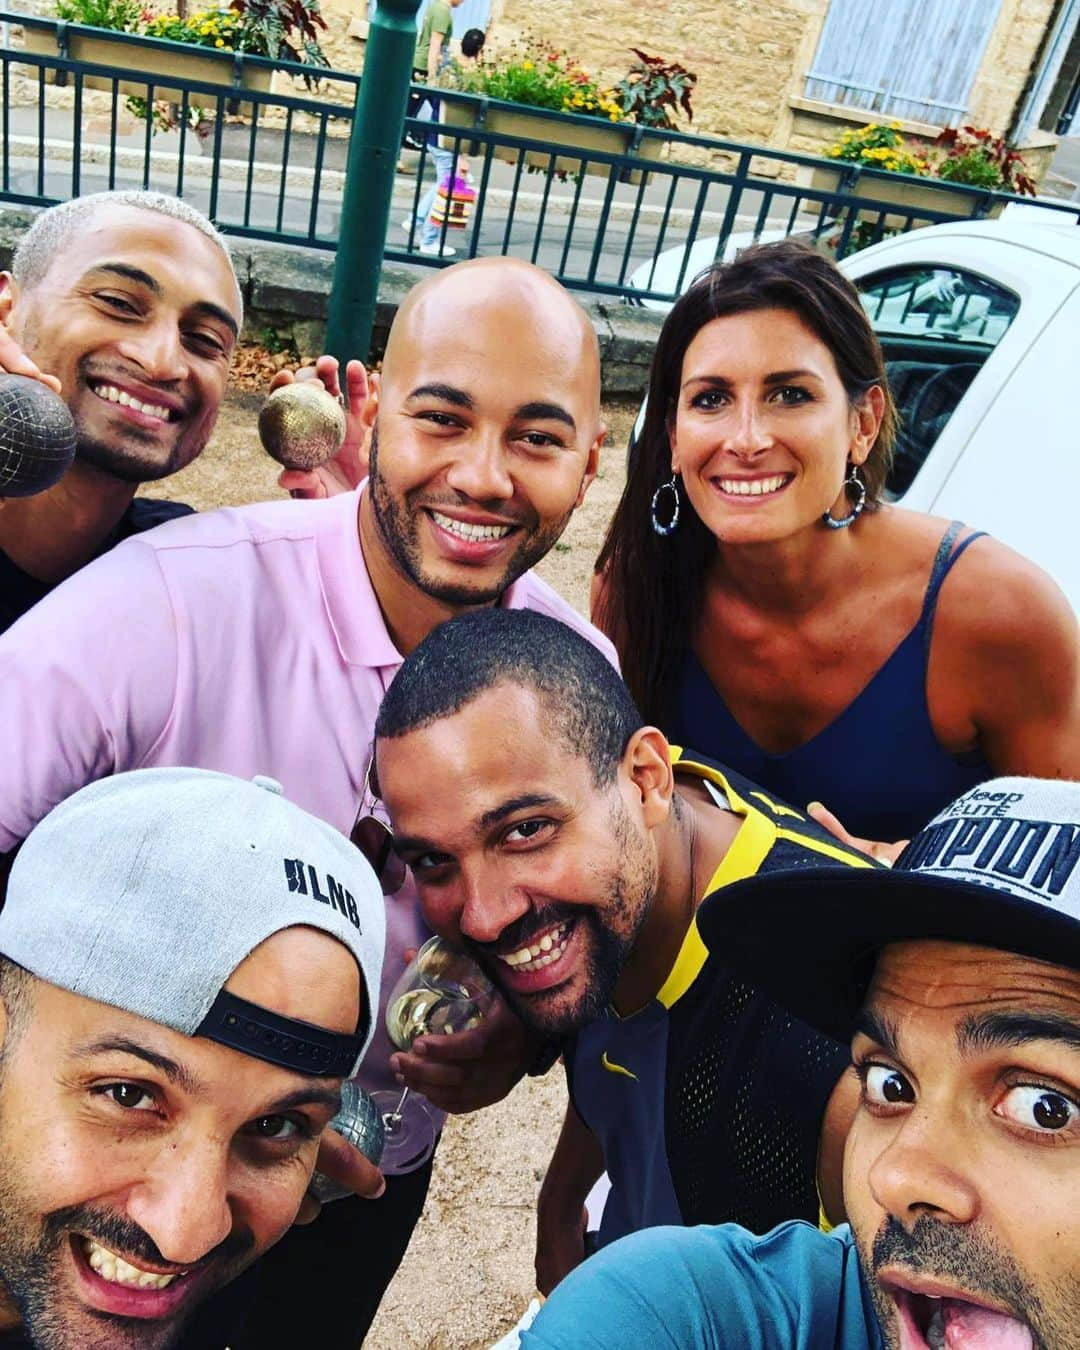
[958, 977]
[188, 969]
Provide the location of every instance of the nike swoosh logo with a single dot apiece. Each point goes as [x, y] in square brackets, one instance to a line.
[616, 1068]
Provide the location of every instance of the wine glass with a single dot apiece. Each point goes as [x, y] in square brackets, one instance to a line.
[440, 991]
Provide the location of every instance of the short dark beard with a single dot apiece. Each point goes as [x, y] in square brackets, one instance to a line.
[27, 1272]
[614, 926]
[399, 531]
[606, 957]
[973, 1261]
[127, 468]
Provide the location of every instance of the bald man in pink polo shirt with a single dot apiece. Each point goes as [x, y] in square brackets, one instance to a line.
[261, 640]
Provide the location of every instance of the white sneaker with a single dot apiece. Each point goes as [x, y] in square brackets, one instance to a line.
[437, 250]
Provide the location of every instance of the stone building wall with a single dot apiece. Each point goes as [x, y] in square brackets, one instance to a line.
[751, 56]
[1010, 54]
[744, 52]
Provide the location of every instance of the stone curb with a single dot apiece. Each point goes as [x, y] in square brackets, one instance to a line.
[287, 287]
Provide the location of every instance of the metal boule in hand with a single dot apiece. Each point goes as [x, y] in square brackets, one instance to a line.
[360, 1122]
[301, 425]
[37, 436]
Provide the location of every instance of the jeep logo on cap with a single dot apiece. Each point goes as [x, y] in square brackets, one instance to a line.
[304, 879]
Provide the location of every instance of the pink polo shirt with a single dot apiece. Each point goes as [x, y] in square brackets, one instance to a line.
[246, 640]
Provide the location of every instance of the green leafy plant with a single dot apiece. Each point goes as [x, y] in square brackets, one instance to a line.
[285, 29]
[978, 158]
[125, 16]
[654, 90]
[275, 341]
[166, 116]
[535, 79]
[881, 147]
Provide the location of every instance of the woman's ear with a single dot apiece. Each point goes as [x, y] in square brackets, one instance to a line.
[866, 418]
[670, 428]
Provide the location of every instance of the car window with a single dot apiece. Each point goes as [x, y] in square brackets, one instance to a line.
[937, 325]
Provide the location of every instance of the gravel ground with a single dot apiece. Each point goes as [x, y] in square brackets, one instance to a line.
[468, 1275]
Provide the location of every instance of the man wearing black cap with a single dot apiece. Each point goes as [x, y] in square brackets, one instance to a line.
[188, 969]
[958, 975]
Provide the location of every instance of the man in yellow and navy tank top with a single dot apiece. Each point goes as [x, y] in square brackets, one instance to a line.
[568, 846]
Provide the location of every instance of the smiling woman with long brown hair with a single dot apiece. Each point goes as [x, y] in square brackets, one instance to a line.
[771, 609]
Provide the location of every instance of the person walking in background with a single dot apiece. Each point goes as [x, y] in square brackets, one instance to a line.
[431, 54]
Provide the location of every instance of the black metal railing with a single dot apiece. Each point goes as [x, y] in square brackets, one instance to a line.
[632, 220]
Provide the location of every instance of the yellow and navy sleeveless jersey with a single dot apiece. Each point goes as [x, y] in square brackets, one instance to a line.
[708, 1102]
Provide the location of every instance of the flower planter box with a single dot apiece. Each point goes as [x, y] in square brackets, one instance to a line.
[147, 64]
[506, 120]
[899, 189]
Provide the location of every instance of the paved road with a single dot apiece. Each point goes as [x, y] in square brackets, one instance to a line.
[524, 214]
[1066, 162]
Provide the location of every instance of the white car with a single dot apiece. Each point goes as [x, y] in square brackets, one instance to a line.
[980, 325]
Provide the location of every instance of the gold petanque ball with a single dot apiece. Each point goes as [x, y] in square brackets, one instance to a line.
[301, 425]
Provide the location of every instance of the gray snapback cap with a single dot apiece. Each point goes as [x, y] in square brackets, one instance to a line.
[146, 890]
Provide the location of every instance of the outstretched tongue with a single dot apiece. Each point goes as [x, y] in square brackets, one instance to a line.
[969, 1327]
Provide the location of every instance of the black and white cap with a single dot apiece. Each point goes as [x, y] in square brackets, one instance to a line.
[146, 890]
[999, 867]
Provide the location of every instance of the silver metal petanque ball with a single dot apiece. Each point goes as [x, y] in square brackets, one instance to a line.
[301, 425]
[361, 1124]
[37, 436]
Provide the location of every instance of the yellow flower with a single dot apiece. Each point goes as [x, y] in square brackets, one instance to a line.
[220, 42]
[527, 65]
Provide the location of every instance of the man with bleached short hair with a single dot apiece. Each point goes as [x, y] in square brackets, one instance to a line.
[127, 304]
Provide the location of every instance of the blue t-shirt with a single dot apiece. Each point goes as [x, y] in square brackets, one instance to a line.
[718, 1288]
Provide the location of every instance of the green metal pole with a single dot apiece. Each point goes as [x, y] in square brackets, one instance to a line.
[374, 147]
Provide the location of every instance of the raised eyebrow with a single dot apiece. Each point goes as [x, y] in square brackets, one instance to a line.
[713, 381]
[129, 273]
[448, 393]
[1000, 1030]
[176, 1073]
[416, 844]
[546, 412]
[499, 813]
[881, 1030]
[306, 1096]
[782, 376]
[213, 311]
[141, 278]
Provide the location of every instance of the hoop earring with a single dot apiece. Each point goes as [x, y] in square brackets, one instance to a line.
[658, 525]
[851, 481]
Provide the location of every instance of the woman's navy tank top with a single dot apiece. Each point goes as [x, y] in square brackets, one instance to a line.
[878, 765]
